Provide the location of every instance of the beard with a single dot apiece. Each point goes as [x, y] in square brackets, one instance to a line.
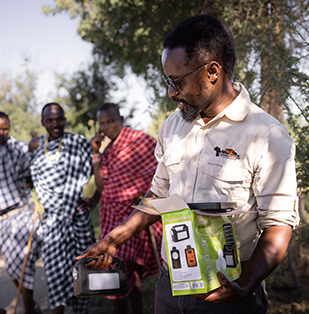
[189, 113]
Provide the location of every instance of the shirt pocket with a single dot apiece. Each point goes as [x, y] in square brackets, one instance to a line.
[231, 182]
[173, 163]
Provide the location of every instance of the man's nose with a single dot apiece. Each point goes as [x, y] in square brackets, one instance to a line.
[172, 92]
[103, 128]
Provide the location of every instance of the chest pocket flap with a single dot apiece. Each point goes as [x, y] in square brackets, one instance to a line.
[172, 158]
[227, 173]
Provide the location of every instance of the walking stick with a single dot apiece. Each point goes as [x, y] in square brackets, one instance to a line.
[26, 257]
[155, 247]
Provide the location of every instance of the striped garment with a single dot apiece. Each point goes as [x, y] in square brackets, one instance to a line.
[15, 230]
[66, 231]
[128, 165]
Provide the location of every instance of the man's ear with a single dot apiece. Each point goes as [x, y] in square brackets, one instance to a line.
[42, 122]
[122, 119]
[214, 71]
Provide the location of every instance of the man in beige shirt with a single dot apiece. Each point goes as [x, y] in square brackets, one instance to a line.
[218, 147]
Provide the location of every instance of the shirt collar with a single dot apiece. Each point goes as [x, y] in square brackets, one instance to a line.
[238, 109]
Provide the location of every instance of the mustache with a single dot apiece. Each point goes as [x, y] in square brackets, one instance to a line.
[179, 100]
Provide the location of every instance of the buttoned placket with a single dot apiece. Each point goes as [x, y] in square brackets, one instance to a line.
[197, 145]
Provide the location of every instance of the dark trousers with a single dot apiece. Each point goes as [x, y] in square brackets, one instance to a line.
[165, 303]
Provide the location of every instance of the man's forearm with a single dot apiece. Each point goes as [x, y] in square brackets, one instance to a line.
[131, 226]
[134, 224]
[266, 257]
[106, 248]
[98, 177]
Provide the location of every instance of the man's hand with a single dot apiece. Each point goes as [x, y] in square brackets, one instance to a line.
[86, 205]
[266, 257]
[230, 291]
[103, 250]
[96, 142]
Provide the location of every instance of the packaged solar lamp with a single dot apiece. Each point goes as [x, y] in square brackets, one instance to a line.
[200, 241]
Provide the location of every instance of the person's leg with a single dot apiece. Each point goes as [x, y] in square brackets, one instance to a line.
[136, 300]
[58, 310]
[165, 303]
[120, 305]
[31, 307]
[136, 303]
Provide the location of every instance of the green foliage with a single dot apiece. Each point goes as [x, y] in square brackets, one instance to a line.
[300, 133]
[18, 101]
[272, 50]
[82, 93]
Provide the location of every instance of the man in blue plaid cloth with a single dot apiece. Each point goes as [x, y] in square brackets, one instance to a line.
[16, 214]
[61, 166]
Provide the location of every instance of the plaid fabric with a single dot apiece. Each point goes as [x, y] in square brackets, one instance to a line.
[14, 169]
[14, 235]
[15, 231]
[66, 231]
[128, 166]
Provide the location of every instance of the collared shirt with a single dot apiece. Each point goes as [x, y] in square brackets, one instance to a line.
[243, 155]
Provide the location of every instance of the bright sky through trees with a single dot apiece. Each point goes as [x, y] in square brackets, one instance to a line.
[52, 45]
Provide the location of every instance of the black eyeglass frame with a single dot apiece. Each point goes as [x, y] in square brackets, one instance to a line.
[169, 81]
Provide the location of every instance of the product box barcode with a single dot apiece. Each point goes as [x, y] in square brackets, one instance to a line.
[197, 285]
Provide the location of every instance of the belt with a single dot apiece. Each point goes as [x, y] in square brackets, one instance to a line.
[13, 212]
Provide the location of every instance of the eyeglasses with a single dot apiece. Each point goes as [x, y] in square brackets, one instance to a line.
[169, 81]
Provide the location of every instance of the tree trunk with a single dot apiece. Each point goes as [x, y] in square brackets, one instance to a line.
[270, 76]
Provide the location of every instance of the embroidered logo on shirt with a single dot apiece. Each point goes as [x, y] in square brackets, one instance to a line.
[226, 153]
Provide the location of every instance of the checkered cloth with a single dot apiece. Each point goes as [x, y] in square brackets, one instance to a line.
[14, 235]
[128, 165]
[15, 231]
[14, 169]
[66, 231]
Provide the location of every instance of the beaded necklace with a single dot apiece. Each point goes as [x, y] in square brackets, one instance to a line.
[56, 155]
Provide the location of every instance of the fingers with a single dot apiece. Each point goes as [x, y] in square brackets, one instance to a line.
[84, 206]
[222, 279]
[84, 209]
[103, 261]
[103, 255]
[202, 296]
[222, 294]
[98, 137]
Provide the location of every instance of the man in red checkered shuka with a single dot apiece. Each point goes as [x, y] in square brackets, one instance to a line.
[123, 174]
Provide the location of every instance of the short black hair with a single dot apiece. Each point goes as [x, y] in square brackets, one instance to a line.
[49, 105]
[4, 115]
[204, 36]
[109, 105]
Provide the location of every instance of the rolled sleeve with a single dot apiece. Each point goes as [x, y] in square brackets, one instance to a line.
[275, 180]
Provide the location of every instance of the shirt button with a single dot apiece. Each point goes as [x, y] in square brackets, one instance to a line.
[189, 187]
[194, 158]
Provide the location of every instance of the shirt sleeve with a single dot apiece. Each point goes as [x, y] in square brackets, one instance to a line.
[160, 181]
[274, 183]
